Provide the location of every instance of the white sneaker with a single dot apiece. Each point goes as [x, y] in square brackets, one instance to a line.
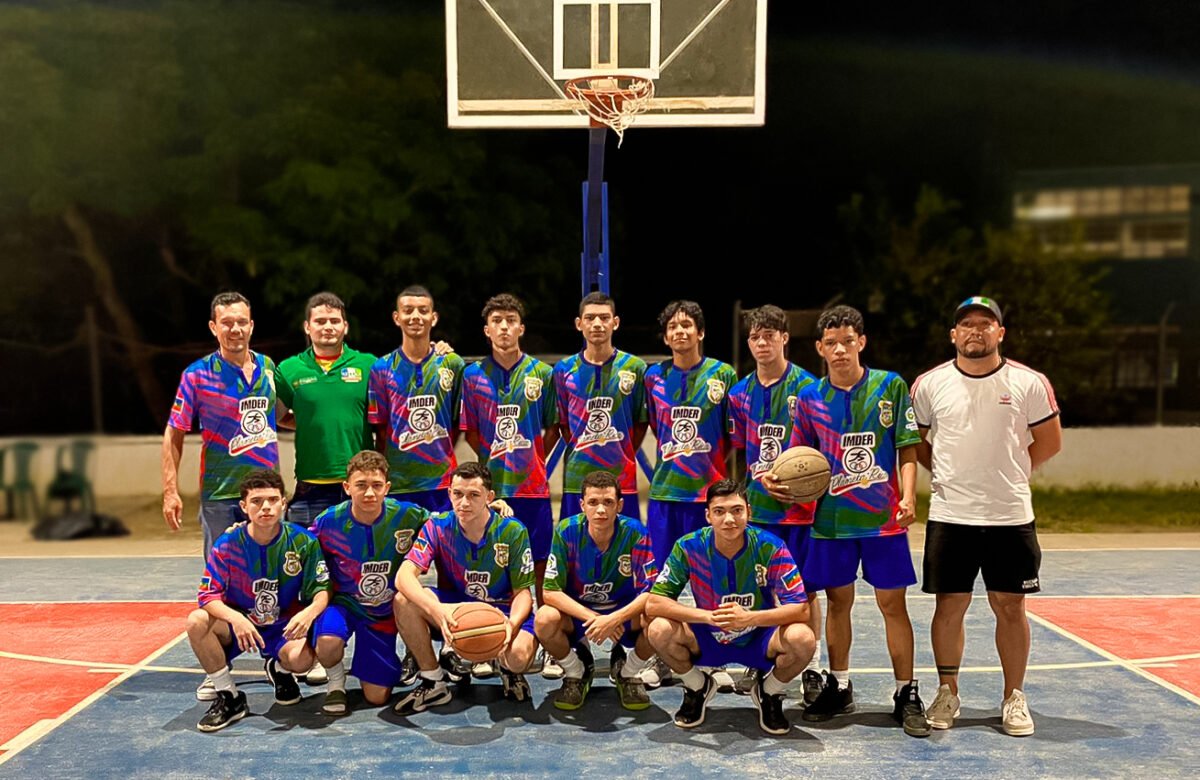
[723, 680]
[657, 674]
[206, 691]
[483, 670]
[944, 710]
[551, 669]
[1014, 715]
[316, 675]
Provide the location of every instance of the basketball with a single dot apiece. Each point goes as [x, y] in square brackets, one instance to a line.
[480, 632]
[804, 471]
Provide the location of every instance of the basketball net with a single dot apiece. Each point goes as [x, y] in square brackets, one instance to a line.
[614, 101]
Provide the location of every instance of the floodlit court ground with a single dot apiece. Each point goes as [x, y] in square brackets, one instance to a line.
[99, 682]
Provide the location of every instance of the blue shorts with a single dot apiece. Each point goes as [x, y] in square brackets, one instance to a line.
[452, 597]
[750, 651]
[538, 518]
[798, 539]
[313, 498]
[886, 563]
[273, 642]
[431, 500]
[375, 659]
[216, 517]
[667, 521]
[570, 506]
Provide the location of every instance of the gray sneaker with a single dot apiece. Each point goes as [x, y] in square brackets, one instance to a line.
[206, 691]
[747, 682]
[428, 693]
[1014, 715]
[658, 674]
[944, 709]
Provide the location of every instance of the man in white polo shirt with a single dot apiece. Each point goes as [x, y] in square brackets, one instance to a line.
[986, 423]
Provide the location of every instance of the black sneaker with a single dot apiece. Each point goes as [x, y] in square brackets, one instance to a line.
[408, 670]
[695, 704]
[811, 681]
[909, 711]
[770, 708]
[516, 687]
[287, 691]
[457, 670]
[832, 701]
[226, 708]
[428, 693]
[616, 659]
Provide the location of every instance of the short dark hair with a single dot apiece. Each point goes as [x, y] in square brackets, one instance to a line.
[690, 308]
[597, 299]
[766, 317]
[415, 291]
[840, 317]
[504, 302]
[722, 488]
[367, 460]
[225, 299]
[600, 480]
[326, 299]
[473, 470]
[263, 479]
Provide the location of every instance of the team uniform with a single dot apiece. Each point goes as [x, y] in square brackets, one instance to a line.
[599, 406]
[237, 425]
[761, 419]
[689, 413]
[268, 583]
[981, 510]
[509, 409]
[602, 580]
[856, 520]
[363, 561]
[762, 575]
[329, 401]
[418, 403]
[492, 571]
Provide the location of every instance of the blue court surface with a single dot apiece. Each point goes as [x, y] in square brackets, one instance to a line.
[1114, 687]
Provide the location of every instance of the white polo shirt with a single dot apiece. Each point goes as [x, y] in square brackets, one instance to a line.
[979, 434]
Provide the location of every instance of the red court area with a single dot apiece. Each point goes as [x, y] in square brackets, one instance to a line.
[95, 633]
[1135, 629]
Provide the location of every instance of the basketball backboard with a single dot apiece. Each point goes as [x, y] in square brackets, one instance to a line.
[508, 60]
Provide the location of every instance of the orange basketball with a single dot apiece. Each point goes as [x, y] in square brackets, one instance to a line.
[804, 471]
[480, 632]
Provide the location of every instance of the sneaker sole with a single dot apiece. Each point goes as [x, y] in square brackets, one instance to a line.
[761, 724]
[314, 679]
[425, 705]
[288, 702]
[917, 732]
[230, 722]
[942, 725]
[822, 717]
[208, 694]
[1017, 732]
[555, 675]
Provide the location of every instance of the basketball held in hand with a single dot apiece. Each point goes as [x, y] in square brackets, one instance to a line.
[480, 633]
[802, 471]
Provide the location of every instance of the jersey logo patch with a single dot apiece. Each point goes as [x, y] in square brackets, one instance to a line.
[351, 374]
[716, 390]
[910, 419]
[256, 430]
[422, 423]
[625, 566]
[886, 414]
[501, 551]
[291, 563]
[685, 433]
[404, 540]
[760, 575]
[508, 431]
[599, 428]
[626, 381]
[859, 471]
[527, 561]
[769, 446]
[552, 566]
[597, 592]
[533, 388]
[791, 404]
[266, 602]
[445, 379]
[477, 584]
[374, 587]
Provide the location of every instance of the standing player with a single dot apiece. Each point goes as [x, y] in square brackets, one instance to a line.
[866, 514]
[509, 417]
[597, 585]
[601, 407]
[325, 387]
[761, 408]
[480, 556]
[230, 395]
[986, 424]
[750, 609]
[413, 403]
[264, 585]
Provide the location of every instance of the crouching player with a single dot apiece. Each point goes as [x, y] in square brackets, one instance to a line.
[597, 584]
[750, 609]
[480, 556]
[264, 585]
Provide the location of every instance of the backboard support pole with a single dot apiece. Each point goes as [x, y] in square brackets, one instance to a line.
[595, 258]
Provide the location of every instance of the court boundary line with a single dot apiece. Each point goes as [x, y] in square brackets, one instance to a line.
[1122, 662]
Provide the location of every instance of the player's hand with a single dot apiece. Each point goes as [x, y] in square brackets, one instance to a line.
[172, 510]
[510, 633]
[733, 617]
[601, 627]
[502, 508]
[442, 348]
[247, 635]
[448, 621]
[297, 627]
[775, 489]
[906, 513]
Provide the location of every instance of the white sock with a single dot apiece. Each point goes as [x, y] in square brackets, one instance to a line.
[223, 680]
[843, 678]
[634, 664]
[772, 685]
[433, 674]
[572, 665]
[900, 684]
[692, 679]
[337, 676]
[814, 663]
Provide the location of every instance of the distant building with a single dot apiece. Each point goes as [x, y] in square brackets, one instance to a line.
[1142, 224]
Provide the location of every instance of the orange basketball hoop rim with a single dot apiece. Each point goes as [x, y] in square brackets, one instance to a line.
[612, 100]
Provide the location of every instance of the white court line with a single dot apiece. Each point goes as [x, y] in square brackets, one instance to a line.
[21, 744]
[195, 555]
[1044, 596]
[1118, 549]
[1129, 665]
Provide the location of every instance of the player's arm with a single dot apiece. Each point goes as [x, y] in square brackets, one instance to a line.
[284, 417]
[925, 450]
[476, 445]
[658, 605]
[638, 435]
[550, 438]
[172, 454]
[567, 605]
[734, 617]
[411, 588]
[907, 511]
[297, 627]
[518, 612]
[244, 632]
[1047, 441]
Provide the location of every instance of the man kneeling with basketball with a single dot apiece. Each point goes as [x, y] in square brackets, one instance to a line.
[598, 578]
[264, 584]
[750, 609]
[481, 557]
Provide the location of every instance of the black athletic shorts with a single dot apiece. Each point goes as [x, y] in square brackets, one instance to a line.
[1008, 555]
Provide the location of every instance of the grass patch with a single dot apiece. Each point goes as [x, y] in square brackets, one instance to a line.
[1091, 510]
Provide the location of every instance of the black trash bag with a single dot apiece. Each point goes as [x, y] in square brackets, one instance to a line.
[78, 525]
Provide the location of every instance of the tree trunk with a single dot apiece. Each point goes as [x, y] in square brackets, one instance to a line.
[140, 357]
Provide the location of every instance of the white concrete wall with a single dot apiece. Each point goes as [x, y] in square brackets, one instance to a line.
[1124, 457]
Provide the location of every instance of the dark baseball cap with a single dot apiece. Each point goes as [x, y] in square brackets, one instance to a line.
[978, 302]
